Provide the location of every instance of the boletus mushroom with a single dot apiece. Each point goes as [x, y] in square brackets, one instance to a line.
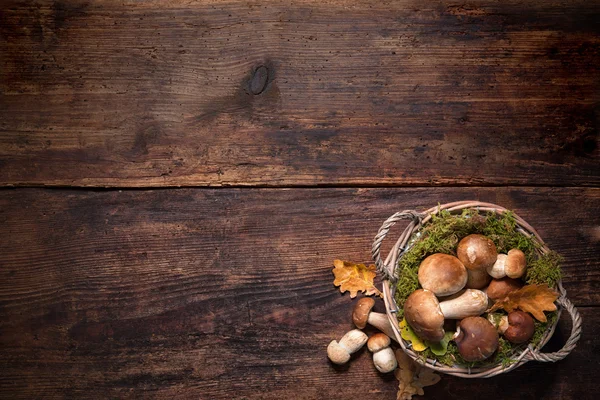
[499, 288]
[476, 339]
[477, 279]
[383, 356]
[339, 352]
[425, 314]
[516, 327]
[362, 315]
[442, 274]
[512, 265]
[476, 252]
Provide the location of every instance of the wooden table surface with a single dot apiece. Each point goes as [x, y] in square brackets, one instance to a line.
[177, 177]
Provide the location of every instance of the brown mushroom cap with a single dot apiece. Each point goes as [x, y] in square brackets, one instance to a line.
[515, 264]
[361, 311]
[476, 339]
[520, 327]
[378, 341]
[423, 314]
[443, 274]
[476, 252]
[477, 279]
[499, 288]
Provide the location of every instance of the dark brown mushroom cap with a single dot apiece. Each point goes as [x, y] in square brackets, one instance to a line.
[515, 264]
[477, 339]
[476, 252]
[443, 274]
[499, 288]
[423, 314]
[520, 327]
[361, 311]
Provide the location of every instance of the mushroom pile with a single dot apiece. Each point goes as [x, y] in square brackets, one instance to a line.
[462, 288]
[378, 344]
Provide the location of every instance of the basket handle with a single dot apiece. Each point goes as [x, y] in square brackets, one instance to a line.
[571, 342]
[387, 271]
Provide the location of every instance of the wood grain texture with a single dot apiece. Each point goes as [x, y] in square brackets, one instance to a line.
[227, 293]
[170, 93]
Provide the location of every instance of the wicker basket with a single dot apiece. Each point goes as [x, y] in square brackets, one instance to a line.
[387, 269]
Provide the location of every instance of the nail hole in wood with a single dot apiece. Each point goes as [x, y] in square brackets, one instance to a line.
[259, 80]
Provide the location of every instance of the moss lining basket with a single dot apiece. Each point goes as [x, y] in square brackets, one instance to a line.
[388, 270]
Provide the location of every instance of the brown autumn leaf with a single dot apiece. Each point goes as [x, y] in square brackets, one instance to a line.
[355, 278]
[412, 377]
[534, 299]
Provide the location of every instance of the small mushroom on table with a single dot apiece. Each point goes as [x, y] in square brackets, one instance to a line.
[339, 352]
[476, 339]
[383, 356]
[425, 313]
[512, 265]
[362, 315]
[477, 253]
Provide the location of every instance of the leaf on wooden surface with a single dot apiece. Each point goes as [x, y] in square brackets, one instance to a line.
[440, 348]
[409, 335]
[355, 278]
[412, 377]
[534, 299]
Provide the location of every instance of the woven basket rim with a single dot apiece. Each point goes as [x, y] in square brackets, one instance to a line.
[418, 220]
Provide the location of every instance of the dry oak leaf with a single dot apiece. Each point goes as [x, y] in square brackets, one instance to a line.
[412, 377]
[355, 278]
[534, 299]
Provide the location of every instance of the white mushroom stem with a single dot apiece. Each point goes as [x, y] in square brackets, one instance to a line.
[500, 322]
[497, 269]
[351, 342]
[381, 322]
[385, 360]
[469, 303]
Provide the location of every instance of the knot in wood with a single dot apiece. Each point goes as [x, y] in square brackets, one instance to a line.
[259, 80]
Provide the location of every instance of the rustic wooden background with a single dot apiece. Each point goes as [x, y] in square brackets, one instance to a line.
[177, 177]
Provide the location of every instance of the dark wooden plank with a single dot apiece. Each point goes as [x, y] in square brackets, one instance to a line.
[221, 293]
[163, 93]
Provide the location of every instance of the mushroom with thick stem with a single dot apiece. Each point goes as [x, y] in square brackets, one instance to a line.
[425, 314]
[339, 352]
[443, 274]
[476, 339]
[362, 315]
[517, 327]
[476, 252]
[500, 288]
[383, 356]
[512, 265]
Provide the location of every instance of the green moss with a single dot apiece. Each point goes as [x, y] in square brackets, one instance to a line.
[442, 234]
[545, 269]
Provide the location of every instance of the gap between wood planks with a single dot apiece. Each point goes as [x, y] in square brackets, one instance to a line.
[315, 186]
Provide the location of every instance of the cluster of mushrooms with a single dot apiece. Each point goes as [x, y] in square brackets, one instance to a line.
[462, 288]
[459, 289]
[378, 344]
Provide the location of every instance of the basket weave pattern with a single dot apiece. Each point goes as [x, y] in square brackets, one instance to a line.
[387, 269]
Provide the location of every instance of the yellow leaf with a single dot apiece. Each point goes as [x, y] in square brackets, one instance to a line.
[355, 278]
[534, 299]
[440, 348]
[412, 377]
[408, 334]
